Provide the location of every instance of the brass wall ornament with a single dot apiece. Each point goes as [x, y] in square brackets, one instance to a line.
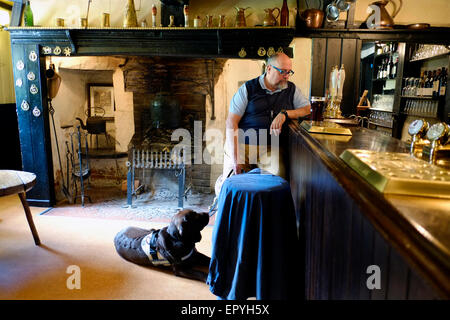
[57, 50]
[280, 50]
[261, 52]
[46, 50]
[270, 51]
[32, 56]
[242, 53]
[36, 112]
[34, 89]
[20, 65]
[67, 51]
[31, 76]
[25, 106]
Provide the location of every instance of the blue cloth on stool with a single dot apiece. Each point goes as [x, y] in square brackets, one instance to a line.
[255, 248]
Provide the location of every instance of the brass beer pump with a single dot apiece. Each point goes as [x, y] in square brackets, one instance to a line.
[418, 130]
[439, 153]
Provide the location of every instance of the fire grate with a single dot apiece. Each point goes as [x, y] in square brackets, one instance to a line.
[159, 160]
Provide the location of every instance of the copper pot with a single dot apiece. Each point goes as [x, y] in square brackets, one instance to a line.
[313, 18]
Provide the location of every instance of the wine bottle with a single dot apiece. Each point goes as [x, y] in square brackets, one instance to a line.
[388, 67]
[284, 15]
[28, 15]
[443, 83]
[437, 76]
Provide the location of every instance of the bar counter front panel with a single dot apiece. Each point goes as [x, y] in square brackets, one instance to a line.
[346, 225]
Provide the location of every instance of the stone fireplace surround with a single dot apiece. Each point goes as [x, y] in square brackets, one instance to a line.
[136, 81]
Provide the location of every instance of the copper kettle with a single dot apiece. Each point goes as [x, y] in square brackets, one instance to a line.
[384, 20]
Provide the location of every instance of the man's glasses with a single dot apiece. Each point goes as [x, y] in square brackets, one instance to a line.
[284, 72]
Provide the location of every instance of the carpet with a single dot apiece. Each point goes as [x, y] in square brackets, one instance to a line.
[110, 203]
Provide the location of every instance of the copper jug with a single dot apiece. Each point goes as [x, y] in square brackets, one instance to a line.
[240, 17]
[270, 19]
[385, 20]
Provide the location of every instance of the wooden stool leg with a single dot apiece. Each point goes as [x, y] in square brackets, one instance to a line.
[26, 207]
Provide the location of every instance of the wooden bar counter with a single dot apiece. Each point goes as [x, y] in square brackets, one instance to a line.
[349, 229]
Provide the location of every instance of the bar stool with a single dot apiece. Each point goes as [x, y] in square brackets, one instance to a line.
[12, 182]
[255, 247]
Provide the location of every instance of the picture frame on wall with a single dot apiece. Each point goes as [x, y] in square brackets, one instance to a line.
[101, 100]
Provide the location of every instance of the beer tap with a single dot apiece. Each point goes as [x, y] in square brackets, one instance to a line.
[418, 130]
[438, 135]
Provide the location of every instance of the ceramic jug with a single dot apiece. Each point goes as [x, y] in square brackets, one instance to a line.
[240, 17]
[386, 21]
[269, 18]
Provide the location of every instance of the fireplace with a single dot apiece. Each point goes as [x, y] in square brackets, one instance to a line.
[203, 46]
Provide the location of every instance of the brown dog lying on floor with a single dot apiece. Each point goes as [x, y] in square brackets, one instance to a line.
[173, 245]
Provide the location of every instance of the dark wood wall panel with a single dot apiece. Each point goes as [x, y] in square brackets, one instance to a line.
[319, 49]
[329, 52]
[333, 55]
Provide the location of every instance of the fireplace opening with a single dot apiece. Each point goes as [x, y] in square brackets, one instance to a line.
[144, 103]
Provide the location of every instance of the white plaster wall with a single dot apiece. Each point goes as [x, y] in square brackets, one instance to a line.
[123, 117]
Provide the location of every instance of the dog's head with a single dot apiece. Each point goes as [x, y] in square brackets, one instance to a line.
[187, 224]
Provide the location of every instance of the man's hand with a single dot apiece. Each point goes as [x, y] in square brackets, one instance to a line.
[277, 124]
[238, 168]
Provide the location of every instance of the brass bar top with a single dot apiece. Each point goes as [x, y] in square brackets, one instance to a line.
[418, 227]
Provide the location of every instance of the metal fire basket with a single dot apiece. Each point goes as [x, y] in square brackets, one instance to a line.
[159, 160]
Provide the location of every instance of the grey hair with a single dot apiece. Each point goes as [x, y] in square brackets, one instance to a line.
[273, 58]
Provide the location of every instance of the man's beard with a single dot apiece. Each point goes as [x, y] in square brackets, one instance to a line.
[282, 85]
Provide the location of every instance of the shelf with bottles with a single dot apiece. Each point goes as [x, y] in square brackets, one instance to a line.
[431, 84]
[385, 65]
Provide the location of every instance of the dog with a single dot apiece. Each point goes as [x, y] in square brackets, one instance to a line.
[172, 246]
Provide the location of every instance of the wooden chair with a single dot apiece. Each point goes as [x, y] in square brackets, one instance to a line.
[12, 182]
[79, 162]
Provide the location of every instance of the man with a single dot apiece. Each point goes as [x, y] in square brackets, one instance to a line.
[255, 121]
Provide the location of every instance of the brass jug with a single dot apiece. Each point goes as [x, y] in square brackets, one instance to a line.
[270, 19]
[130, 19]
[240, 17]
[385, 21]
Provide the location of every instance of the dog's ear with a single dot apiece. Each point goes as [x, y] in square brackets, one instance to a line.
[188, 225]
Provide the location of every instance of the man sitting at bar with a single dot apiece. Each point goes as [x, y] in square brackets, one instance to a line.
[259, 109]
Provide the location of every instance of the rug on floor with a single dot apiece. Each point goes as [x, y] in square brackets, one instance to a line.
[112, 204]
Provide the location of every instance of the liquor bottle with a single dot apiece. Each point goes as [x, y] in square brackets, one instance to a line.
[443, 83]
[388, 67]
[28, 15]
[385, 70]
[426, 90]
[436, 77]
[393, 73]
[284, 15]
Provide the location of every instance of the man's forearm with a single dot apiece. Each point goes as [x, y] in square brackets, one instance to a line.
[300, 112]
